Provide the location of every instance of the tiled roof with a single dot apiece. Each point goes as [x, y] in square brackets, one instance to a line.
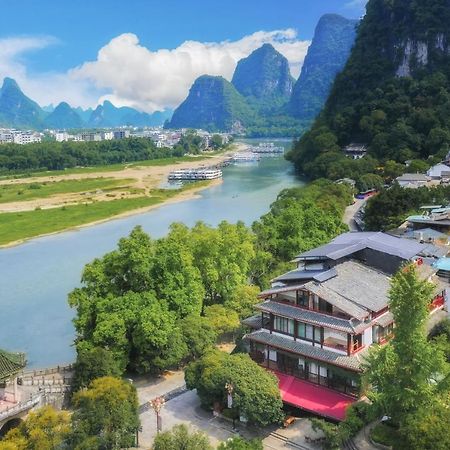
[356, 289]
[10, 364]
[311, 317]
[385, 319]
[299, 348]
[306, 275]
[348, 243]
[253, 321]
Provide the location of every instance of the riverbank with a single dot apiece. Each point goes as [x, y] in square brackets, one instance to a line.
[23, 220]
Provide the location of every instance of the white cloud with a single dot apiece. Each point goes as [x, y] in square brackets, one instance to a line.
[152, 80]
[128, 73]
[44, 88]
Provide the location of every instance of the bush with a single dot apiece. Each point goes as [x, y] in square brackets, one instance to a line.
[384, 434]
[259, 402]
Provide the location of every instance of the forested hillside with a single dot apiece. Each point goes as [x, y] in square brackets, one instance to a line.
[394, 92]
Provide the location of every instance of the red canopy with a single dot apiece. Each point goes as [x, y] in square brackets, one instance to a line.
[313, 398]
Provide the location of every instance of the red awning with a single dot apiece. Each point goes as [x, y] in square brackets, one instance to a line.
[313, 398]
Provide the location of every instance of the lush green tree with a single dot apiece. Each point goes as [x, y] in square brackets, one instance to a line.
[62, 155]
[216, 141]
[369, 181]
[224, 257]
[198, 334]
[44, 429]
[259, 402]
[427, 429]
[176, 278]
[301, 219]
[156, 338]
[180, 438]
[106, 413]
[408, 359]
[224, 321]
[243, 300]
[392, 206]
[238, 443]
[92, 363]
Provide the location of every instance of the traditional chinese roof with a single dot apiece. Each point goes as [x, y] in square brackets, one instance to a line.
[348, 243]
[10, 364]
[314, 352]
[312, 317]
[357, 290]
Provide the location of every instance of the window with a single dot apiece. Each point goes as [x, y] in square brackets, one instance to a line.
[303, 298]
[283, 325]
[309, 332]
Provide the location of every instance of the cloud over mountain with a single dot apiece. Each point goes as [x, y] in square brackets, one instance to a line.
[130, 74]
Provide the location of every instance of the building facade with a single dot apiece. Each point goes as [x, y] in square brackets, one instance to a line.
[317, 322]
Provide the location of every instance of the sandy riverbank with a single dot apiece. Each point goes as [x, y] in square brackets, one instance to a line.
[151, 176]
[144, 179]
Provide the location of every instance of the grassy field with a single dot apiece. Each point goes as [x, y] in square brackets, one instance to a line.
[23, 225]
[110, 168]
[23, 192]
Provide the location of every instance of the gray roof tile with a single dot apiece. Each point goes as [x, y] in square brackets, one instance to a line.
[356, 289]
[311, 317]
[349, 362]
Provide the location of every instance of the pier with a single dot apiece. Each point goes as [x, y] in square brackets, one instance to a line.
[267, 148]
[210, 173]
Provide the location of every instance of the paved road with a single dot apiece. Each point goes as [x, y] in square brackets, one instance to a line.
[350, 213]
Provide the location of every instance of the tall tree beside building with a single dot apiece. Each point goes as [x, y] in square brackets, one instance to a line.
[405, 373]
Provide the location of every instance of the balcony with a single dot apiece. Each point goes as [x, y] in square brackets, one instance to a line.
[336, 344]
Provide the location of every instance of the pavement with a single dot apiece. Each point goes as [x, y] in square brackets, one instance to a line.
[351, 212]
[184, 408]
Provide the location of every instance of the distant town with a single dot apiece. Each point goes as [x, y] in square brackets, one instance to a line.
[161, 137]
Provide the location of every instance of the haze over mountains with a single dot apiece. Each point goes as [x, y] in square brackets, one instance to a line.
[19, 111]
[262, 97]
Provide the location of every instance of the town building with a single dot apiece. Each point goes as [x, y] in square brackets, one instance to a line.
[439, 172]
[91, 136]
[317, 322]
[413, 180]
[121, 134]
[355, 151]
[435, 217]
[11, 136]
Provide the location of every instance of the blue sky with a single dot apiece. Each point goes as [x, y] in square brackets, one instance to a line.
[48, 41]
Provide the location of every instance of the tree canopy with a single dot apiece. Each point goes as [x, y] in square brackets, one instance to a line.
[259, 402]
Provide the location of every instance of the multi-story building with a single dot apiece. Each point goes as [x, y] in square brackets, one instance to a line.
[121, 134]
[317, 322]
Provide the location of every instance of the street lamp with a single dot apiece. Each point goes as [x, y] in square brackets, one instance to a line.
[230, 388]
[157, 404]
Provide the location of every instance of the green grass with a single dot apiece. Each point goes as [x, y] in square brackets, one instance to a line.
[28, 224]
[384, 434]
[109, 168]
[30, 191]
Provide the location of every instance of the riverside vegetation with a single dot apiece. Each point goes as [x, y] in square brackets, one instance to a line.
[36, 207]
[398, 104]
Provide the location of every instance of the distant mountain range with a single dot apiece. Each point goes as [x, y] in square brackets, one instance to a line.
[262, 97]
[19, 111]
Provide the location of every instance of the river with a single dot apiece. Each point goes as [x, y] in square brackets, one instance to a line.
[35, 277]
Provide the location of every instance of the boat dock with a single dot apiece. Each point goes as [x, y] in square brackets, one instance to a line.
[267, 148]
[210, 173]
[245, 157]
